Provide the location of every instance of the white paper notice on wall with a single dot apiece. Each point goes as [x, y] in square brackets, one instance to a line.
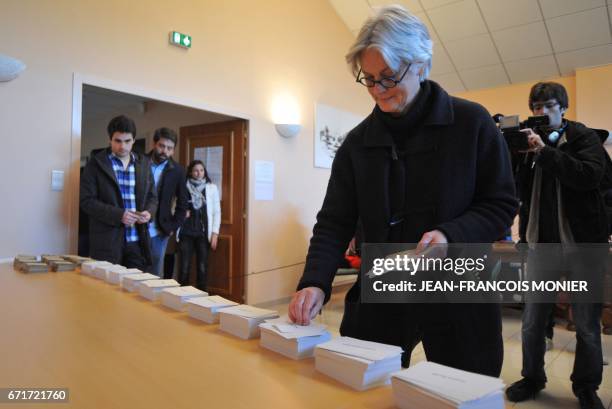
[212, 156]
[264, 180]
[57, 180]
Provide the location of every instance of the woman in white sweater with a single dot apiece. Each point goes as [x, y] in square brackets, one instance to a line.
[200, 231]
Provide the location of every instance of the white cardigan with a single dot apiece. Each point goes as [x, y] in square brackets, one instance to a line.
[213, 209]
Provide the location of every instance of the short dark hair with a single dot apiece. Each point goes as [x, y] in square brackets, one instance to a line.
[121, 124]
[165, 133]
[192, 165]
[543, 91]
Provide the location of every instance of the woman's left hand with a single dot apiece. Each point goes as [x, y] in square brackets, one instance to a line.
[213, 241]
[436, 238]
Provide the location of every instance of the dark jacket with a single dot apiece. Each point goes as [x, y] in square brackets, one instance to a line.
[579, 165]
[458, 179]
[100, 198]
[171, 185]
[463, 185]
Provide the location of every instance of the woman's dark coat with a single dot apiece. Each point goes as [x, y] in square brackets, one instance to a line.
[458, 180]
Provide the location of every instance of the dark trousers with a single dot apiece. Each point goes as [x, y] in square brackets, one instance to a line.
[551, 262]
[550, 325]
[133, 257]
[187, 246]
[588, 362]
[463, 336]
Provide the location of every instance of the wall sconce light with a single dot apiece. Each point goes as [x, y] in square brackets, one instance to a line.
[10, 68]
[286, 116]
[288, 130]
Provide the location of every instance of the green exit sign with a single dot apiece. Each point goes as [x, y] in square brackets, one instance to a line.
[180, 39]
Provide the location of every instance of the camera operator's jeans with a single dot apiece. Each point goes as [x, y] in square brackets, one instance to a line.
[588, 362]
[575, 262]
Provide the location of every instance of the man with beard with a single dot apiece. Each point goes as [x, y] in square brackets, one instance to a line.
[169, 179]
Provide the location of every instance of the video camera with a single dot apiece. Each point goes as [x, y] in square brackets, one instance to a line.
[510, 127]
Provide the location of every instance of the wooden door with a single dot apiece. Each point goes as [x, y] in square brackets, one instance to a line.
[222, 148]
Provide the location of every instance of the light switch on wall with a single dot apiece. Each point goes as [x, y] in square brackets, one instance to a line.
[57, 180]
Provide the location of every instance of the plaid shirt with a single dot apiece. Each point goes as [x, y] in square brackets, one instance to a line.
[127, 185]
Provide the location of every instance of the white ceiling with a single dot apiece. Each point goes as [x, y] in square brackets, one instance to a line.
[489, 43]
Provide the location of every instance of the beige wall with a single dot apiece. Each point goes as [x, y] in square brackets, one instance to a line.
[512, 99]
[244, 53]
[594, 96]
[589, 92]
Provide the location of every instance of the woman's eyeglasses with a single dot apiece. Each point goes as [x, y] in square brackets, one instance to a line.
[384, 82]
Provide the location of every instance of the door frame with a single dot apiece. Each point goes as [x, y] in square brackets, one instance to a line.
[73, 179]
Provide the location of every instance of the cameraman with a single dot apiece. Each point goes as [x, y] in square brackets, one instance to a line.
[558, 179]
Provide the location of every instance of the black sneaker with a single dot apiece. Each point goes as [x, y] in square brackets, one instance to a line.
[589, 400]
[524, 389]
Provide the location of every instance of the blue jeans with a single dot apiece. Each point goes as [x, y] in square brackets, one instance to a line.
[158, 251]
[549, 264]
[588, 362]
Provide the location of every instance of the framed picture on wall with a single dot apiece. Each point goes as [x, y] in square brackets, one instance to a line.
[331, 127]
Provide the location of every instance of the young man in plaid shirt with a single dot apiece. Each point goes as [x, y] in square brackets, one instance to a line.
[118, 195]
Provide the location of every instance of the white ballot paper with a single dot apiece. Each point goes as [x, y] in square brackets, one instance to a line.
[101, 270]
[128, 281]
[243, 320]
[411, 261]
[114, 275]
[207, 308]
[88, 267]
[176, 297]
[357, 363]
[289, 330]
[432, 385]
[294, 341]
[151, 289]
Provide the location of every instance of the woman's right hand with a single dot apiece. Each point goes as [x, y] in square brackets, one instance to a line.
[305, 305]
[188, 214]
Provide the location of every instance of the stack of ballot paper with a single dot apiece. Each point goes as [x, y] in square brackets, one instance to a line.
[78, 260]
[294, 341]
[431, 385]
[207, 308]
[47, 258]
[61, 265]
[20, 259]
[243, 320]
[151, 289]
[177, 297]
[88, 267]
[114, 274]
[30, 267]
[101, 270]
[129, 281]
[356, 363]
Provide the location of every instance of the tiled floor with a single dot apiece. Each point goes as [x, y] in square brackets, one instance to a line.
[559, 361]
